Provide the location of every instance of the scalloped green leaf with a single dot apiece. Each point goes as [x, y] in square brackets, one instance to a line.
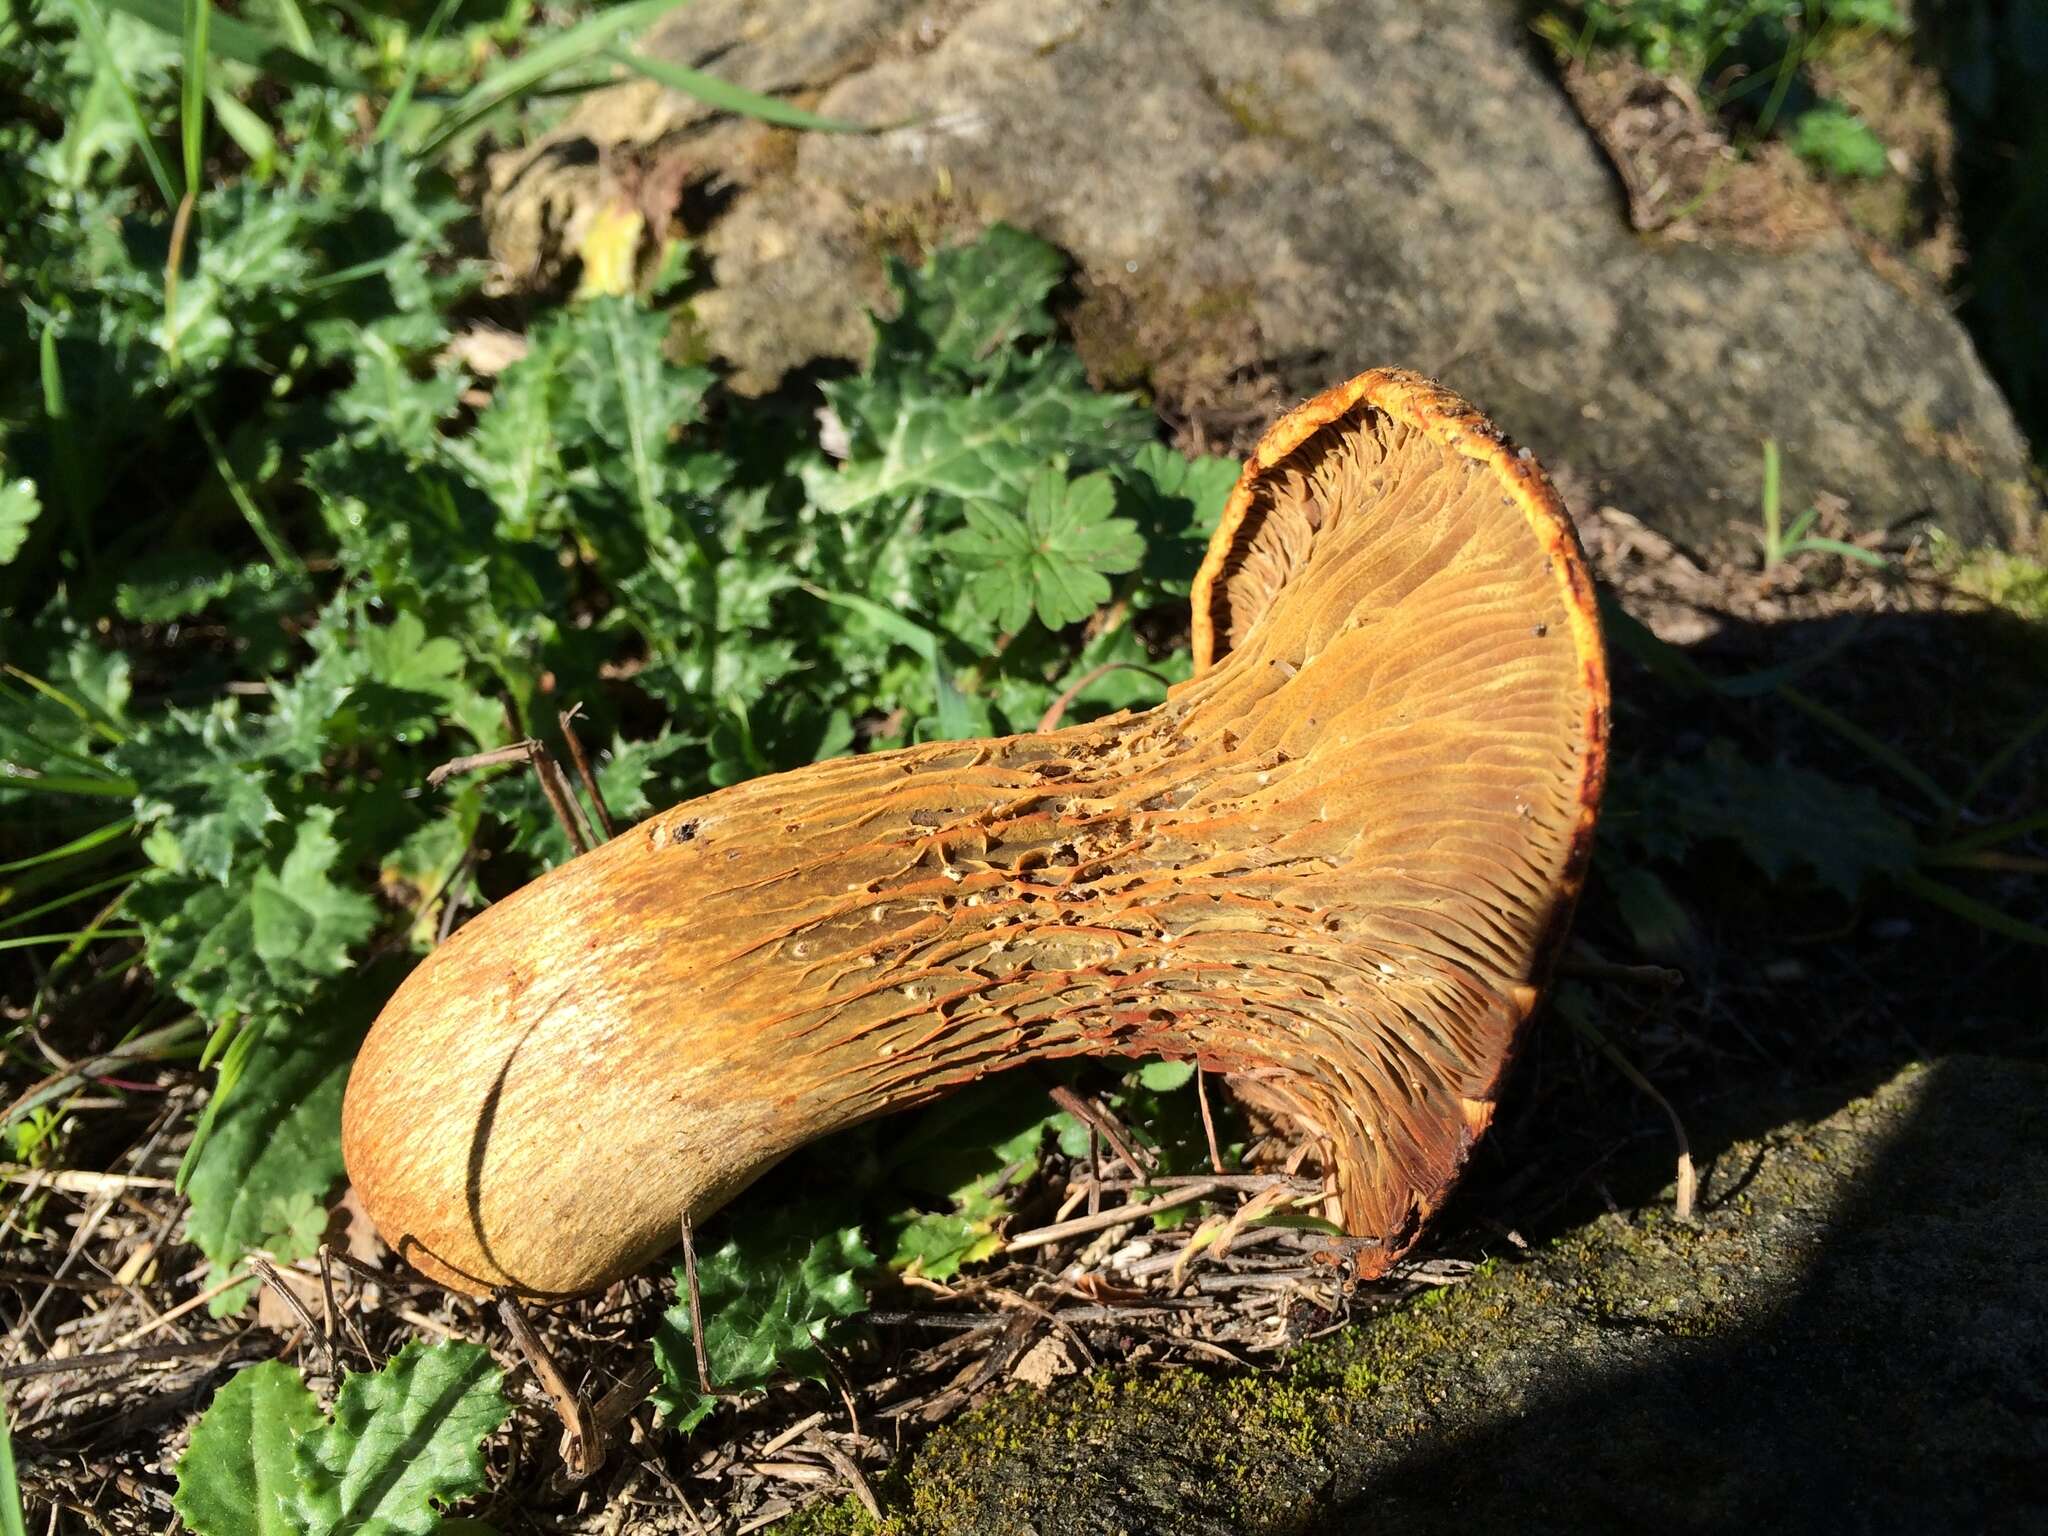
[236, 1477]
[403, 1440]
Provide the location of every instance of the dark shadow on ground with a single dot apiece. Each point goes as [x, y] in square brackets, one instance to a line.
[1903, 1385]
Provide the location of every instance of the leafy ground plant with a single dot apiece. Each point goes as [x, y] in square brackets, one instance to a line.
[402, 1440]
[1748, 58]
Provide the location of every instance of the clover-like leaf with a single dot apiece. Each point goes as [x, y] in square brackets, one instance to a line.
[1053, 558]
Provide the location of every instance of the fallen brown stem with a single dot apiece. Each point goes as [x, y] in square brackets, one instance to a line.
[588, 778]
[1081, 1225]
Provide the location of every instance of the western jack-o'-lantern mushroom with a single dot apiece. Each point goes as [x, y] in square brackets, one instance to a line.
[1334, 865]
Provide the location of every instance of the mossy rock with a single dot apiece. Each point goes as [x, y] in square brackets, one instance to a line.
[1850, 1336]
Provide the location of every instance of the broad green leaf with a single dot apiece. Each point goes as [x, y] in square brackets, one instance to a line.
[275, 1144]
[18, 509]
[1176, 503]
[402, 406]
[263, 941]
[300, 920]
[207, 793]
[986, 445]
[1052, 557]
[966, 1150]
[1782, 817]
[1842, 144]
[403, 1440]
[769, 1294]
[968, 305]
[236, 1477]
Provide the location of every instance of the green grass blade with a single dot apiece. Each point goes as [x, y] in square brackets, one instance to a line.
[1772, 551]
[67, 703]
[724, 96]
[250, 133]
[401, 99]
[228, 38]
[1991, 919]
[1996, 763]
[12, 1519]
[1819, 546]
[192, 95]
[586, 40]
[92, 28]
[70, 468]
[27, 940]
[296, 30]
[232, 1061]
[81, 844]
[1991, 837]
[273, 546]
[65, 783]
[1800, 524]
[74, 896]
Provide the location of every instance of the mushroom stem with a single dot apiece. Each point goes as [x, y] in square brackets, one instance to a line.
[1334, 865]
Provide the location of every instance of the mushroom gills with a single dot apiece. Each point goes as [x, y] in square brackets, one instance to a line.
[1335, 865]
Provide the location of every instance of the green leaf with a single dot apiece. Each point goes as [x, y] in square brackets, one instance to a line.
[301, 922]
[19, 507]
[265, 941]
[1053, 558]
[769, 1295]
[236, 1477]
[969, 305]
[986, 445]
[1176, 502]
[1840, 143]
[1166, 1076]
[404, 1439]
[245, 44]
[206, 788]
[274, 1145]
[1783, 818]
[386, 396]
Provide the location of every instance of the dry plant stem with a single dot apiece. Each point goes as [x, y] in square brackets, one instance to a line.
[567, 719]
[274, 1283]
[696, 1306]
[567, 811]
[1208, 1120]
[1096, 1118]
[1335, 865]
[1687, 1178]
[1057, 710]
[844, 1466]
[1079, 1226]
[519, 751]
[583, 1445]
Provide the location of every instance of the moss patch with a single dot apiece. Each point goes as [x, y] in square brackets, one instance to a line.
[1638, 1369]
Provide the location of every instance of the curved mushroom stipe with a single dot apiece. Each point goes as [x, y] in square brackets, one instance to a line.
[1335, 864]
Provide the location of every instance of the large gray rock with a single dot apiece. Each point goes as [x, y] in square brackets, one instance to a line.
[1264, 197]
[1852, 1337]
